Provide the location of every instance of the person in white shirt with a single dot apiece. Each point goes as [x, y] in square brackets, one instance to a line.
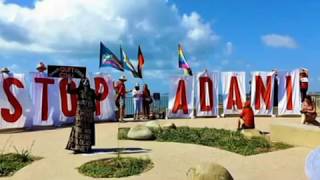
[137, 101]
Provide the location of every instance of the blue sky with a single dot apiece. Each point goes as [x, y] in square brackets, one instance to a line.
[223, 35]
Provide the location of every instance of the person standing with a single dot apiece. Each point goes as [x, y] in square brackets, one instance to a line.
[147, 100]
[275, 88]
[304, 83]
[82, 136]
[120, 88]
[137, 101]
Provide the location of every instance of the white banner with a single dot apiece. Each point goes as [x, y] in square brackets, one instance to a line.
[15, 106]
[181, 97]
[207, 99]
[44, 99]
[289, 93]
[106, 107]
[262, 92]
[233, 91]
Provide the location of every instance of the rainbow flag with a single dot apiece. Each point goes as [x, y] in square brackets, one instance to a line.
[108, 59]
[183, 62]
[127, 63]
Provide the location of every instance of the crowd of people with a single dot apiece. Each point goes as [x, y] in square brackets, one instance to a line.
[141, 100]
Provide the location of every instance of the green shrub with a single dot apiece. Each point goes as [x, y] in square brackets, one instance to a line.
[232, 141]
[115, 167]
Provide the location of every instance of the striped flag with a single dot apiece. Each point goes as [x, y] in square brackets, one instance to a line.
[108, 59]
[183, 62]
[127, 63]
[140, 62]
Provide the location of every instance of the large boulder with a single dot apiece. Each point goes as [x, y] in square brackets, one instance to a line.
[153, 124]
[140, 132]
[250, 133]
[209, 171]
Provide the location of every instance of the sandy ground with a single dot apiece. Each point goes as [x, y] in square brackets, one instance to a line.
[171, 160]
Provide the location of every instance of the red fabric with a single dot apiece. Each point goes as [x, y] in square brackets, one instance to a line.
[289, 88]
[234, 89]
[146, 92]
[181, 99]
[140, 62]
[64, 98]
[248, 117]
[304, 85]
[203, 95]
[264, 92]
[121, 89]
[5, 113]
[45, 99]
[99, 81]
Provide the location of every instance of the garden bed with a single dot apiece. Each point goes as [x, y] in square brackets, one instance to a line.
[232, 141]
[115, 167]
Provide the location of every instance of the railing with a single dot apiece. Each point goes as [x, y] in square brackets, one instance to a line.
[158, 106]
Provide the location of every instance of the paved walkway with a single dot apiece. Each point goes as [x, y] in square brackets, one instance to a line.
[172, 160]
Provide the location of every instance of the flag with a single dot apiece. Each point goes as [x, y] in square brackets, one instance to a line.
[108, 59]
[183, 62]
[140, 62]
[127, 63]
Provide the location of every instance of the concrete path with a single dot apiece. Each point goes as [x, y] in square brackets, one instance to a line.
[171, 160]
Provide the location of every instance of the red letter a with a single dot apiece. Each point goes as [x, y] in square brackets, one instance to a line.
[181, 98]
[234, 89]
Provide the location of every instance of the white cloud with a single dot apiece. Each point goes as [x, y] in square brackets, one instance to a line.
[228, 48]
[79, 25]
[68, 32]
[279, 41]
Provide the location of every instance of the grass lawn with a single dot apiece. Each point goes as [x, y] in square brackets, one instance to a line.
[219, 138]
[115, 167]
[12, 162]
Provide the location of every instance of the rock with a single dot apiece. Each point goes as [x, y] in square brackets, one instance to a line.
[209, 171]
[140, 133]
[153, 125]
[169, 126]
[249, 133]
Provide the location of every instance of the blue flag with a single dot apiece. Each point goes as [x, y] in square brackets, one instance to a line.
[108, 59]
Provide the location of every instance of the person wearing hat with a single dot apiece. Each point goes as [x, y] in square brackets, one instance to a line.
[246, 120]
[5, 70]
[137, 101]
[304, 83]
[120, 89]
[41, 67]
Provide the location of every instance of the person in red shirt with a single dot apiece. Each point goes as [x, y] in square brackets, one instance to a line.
[304, 83]
[246, 120]
[120, 89]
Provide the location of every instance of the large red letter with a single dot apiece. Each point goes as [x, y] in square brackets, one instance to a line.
[262, 91]
[64, 99]
[234, 89]
[5, 113]
[98, 82]
[181, 98]
[289, 88]
[203, 95]
[45, 82]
